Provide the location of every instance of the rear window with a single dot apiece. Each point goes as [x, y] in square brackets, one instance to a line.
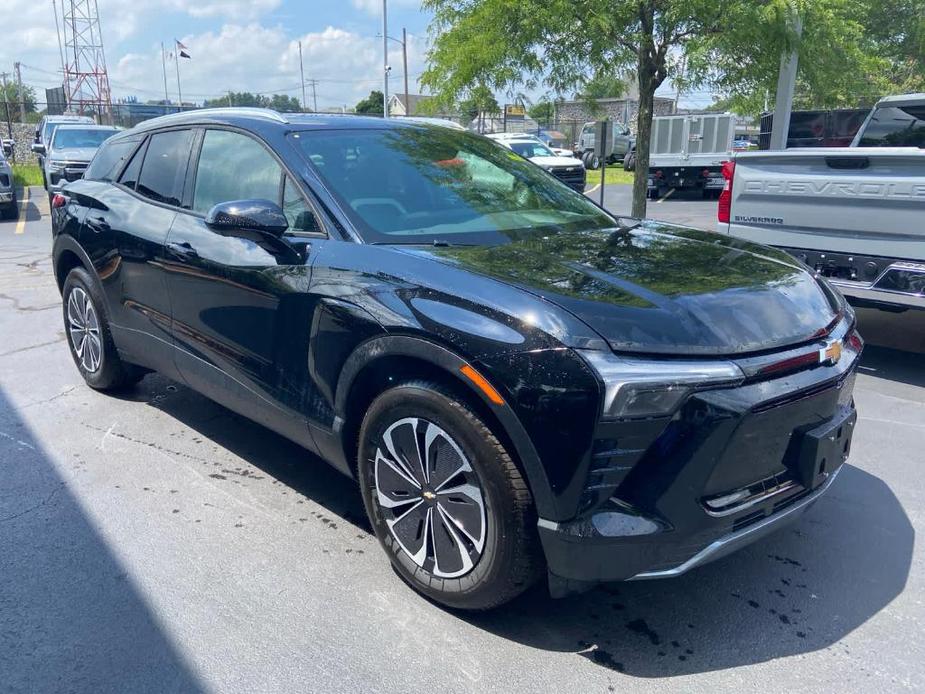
[895, 127]
[163, 171]
[108, 160]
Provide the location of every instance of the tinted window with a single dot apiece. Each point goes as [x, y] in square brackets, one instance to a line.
[298, 213]
[895, 127]
[417, 184]
[109, 158]
[164, 169]
[130, 176]
[233, 166]
[531, 149]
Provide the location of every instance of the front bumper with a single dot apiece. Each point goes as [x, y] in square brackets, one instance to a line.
[6, 196]
[730, 467]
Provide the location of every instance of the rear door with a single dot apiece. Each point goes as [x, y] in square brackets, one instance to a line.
[241, 313]
[125, 230]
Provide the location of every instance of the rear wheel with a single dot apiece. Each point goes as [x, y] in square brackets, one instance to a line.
[446, 501]
[87, 327]
[629, 161]
[594, 161]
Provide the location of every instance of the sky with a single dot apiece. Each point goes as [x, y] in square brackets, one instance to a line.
[238, 45]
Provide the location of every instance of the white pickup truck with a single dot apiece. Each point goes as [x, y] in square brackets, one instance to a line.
[854, 214]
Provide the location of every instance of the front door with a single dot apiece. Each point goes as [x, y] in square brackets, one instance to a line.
[241, 309]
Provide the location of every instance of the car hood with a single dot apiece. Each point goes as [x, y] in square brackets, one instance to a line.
[661, 289]
[556, 162]
[76, 154]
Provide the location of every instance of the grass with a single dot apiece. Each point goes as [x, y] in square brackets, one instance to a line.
[27, 175]
[612, 174]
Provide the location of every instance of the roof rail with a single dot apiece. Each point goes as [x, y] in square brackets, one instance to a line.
[253, 112]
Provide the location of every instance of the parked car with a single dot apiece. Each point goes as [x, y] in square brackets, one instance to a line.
[567, 169]
[687, 152]
[6, 146]
[8, 205]
[620, 144]
[70, 151]
[45, 129]
[854, 214]
[556, 141]
[524, 385]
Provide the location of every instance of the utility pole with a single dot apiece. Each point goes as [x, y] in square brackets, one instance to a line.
[19, 93]
[786, 80]
[314, 95]
[6, 110]
[302, 75]
[404, 59]
[677, 94]
[385, 59]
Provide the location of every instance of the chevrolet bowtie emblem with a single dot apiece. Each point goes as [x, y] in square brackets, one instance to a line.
[831, 353]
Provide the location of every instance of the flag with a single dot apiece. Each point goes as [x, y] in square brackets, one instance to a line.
[182, 50]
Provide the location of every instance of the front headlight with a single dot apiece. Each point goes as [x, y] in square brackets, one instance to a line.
[654, 387]
[55, 165]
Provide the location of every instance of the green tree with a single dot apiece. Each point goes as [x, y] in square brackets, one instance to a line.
[285, 103]
[10, 93]
[479, 100]
[542, 111]
[558, 43]
[372, 104]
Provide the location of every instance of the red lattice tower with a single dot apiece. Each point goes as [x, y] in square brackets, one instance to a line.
[86, 82]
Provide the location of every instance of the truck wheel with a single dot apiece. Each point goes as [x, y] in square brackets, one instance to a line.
[629, 161]
[594, 162]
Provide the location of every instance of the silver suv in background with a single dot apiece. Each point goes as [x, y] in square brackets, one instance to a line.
[70, 151]
[45, 129]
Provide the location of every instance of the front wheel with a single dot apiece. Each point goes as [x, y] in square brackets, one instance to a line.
[446, 501]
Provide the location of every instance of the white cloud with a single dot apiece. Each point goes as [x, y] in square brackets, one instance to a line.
[375, 6]
[252, 57]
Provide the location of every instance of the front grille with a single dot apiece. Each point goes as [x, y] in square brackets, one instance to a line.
[571, 175]
[74, 171]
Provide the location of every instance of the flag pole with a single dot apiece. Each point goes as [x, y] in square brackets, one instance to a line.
[176, 56]
[164, 66]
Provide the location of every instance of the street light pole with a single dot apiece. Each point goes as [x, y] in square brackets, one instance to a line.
[404, 59]
[385, 59]
[302, 75]
[786, 80]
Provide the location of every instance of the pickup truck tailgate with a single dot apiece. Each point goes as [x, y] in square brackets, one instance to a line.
[855, 200]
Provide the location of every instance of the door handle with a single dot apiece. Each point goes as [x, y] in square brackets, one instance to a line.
[98, 224]
[183, 251]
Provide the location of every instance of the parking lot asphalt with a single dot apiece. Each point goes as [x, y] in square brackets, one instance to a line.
[156, 542]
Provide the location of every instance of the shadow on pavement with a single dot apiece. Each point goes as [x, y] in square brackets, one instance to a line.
[801, 590]
[71, 618]
[284, 461]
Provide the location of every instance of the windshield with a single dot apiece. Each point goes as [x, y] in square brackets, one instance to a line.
[531, 149]
[895, 127]
[67, 138]
[430, 184]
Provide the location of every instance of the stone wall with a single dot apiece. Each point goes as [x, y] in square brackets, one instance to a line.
[613, 109]
[23, 135]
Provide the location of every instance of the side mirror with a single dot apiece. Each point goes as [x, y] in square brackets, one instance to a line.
[38, 148]
[248, 215]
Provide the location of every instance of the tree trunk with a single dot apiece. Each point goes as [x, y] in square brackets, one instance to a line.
[647, 85]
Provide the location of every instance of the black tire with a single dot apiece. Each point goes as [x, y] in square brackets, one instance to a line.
[629, 161]
[584, 159]
[509, 560]
[111, 372]
[594, 162]
[11, 210]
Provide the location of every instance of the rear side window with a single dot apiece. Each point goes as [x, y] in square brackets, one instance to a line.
[109, 158]
[129, 177]
[895, 127]
[163, 171]
[233, 166]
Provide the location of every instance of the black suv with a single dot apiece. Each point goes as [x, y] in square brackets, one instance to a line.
[521, 382]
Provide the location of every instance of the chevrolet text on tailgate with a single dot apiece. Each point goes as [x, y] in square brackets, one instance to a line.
[856, 215]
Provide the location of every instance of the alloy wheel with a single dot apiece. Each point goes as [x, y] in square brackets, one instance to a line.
[84, 330]
[430, 497]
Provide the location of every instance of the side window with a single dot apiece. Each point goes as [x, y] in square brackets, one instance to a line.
[109, 159]
[233, 166]
[298, 213]
[164, 169]
[129, 177]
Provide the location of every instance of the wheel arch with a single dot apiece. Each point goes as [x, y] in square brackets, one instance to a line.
[67, 254]
[383, 361]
